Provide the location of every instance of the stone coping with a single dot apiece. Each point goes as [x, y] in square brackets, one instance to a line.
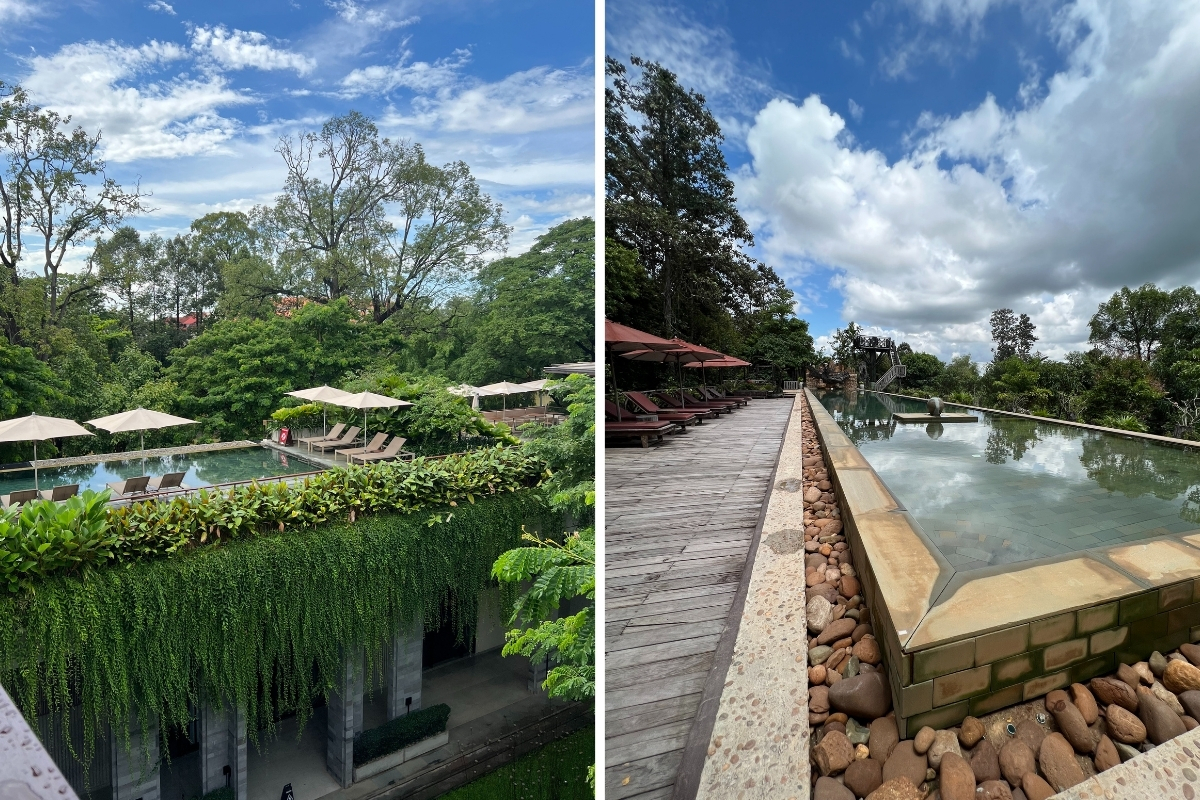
[100, 458]
[759, 745]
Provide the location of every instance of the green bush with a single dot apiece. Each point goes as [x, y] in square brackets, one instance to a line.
[303, 416]
[557, 771]
[399, 733]
[44, 538]
[224, 793]
[260, 623]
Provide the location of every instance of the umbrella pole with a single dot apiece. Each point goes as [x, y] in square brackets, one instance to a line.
[35, 478]
[324, 424]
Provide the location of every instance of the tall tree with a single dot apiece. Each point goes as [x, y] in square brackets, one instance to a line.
[1025, 336]
[1132, 321]
[668, 197]
[126, 265]
[1004, 334]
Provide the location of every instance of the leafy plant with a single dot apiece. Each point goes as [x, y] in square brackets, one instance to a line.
[556, 771]
[1124, 422]
[399, 733]
[558, 572]
[569, 449]
[307, 415]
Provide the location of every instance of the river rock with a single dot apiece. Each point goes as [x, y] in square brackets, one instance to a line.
[1126, 751]
[1035, 787]
[864, 777]
[971, 732]
[826, 590]
[984, 761]
[1106, 755]
[1190, 702]
[866, 696]
[837, 629]
[817, 655]
[818, 699]
[1164, 694]
[1161, 722]
[829, 789]
[900, 788]
[867, 650]
[1191, 652]
[1158, 663]
[1085, 702]
[1123, 726]
[1070, 721]
[1180, 676]
[923, 740]
[1113, 690]
[816, 675]
[849, 585]
[956, 780]
[812, 494]
[1058, 764]
[820, 614]
[1016, 759]
[943, 742]
[1190, 723]
[905, 762]
[1127, 674]
[994, 790]
[857, 734]
[1142, 668]
[1032, 734]
[833, 753]
[884, 737]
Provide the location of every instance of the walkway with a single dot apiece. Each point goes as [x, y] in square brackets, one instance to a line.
[680, 518]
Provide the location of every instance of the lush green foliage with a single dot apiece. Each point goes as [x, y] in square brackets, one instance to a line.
[306, 415]
[44, 538]
[569, 448]
[399, 733]
[261, 622]
[556, 771]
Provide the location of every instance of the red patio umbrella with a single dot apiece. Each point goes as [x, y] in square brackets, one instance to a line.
[727, 361]
[622, 339]
[684, 353]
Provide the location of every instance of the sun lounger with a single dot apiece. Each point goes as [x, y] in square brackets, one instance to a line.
[718, 397]
[648, 406]
[386, 454]
[614, 412]
[693, 395]
[334, 444]
[374, 446]
[672, 402]
[638, 430]
[60, 493]
[172, 480]
[332, 436]
[130, 486]
[18, 498]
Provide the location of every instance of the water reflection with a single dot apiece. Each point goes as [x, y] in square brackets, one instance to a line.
[934, 430]
[1136, 467]
[1011, 438]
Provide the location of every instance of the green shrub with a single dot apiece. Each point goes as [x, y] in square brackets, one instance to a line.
[399, 733]
[224, 793]
[46, 538]
[303, 416]
[556, 771]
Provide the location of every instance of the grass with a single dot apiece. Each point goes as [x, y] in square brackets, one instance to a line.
[557, 771]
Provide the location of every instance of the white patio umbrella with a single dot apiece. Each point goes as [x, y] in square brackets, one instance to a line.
[505, 388]
[141, 420]
[467, 390]
[367, 400]
[320, 394]
[35, 428]
[536, 386]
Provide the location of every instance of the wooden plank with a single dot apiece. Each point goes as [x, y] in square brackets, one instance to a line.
[681, 519]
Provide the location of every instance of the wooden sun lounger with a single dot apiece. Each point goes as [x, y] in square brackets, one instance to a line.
[332, 436]
[614, 412]
[694, 395]
[60, 493]
[374, 446]
[172, 480]
[391, 451]
[648, 406]
[347, 439]
[717, 397]
[637, 430]
[130, 486]
[675, 405]
[19, 498]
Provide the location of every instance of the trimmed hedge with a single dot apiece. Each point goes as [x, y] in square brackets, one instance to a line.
[399, 733]
[557, 771]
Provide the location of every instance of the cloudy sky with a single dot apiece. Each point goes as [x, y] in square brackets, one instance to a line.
[914, 164]
[191, 97]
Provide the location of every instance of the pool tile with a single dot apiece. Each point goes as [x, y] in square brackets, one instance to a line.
[943, 660]
[1107, 640]
[1004, 643]
[1051, 630]
[1096, 617]
[1064, 654]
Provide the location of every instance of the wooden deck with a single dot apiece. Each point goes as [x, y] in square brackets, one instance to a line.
[679, 521]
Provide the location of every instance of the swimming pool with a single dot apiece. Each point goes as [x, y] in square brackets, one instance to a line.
[1006, 490]
[202, 469]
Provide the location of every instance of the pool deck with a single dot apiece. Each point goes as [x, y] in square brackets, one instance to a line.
[682, 518]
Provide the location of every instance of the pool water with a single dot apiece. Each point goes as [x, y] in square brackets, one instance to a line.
[203, 469]
[1005, 489]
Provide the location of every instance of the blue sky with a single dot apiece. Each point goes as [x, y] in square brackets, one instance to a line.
[191, 97]
[914, 164]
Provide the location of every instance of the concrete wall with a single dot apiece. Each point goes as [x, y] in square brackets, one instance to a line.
[222, 731]
[134, 769]
[489, 634]
[404, 671]
[345, 707]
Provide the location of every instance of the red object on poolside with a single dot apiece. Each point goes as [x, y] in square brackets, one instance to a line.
[285, 437]
[623, 339]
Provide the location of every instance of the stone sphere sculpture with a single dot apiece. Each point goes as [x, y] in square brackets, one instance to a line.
[935, 406]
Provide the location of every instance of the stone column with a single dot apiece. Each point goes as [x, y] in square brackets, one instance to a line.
[538, 667]
[222, 749]
[404, 671]
[135, 772]
[345, 709]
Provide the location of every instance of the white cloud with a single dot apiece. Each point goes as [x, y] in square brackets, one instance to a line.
[856, 110]
[171, 116]
[16, 10]
[376, 18]
[163, 6]
[238, 49]
[1046, 209]
[419, 76]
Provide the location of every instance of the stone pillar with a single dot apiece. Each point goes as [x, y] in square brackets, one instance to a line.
[404, 670]
[538, 667]
[345, 709]
[222, 749]
[135, 772]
